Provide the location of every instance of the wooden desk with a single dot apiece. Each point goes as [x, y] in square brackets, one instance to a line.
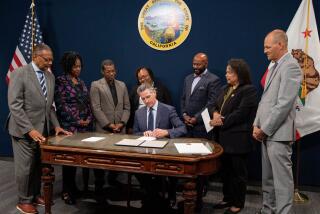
[70, 150]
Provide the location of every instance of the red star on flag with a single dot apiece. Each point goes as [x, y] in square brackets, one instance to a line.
[307, 33]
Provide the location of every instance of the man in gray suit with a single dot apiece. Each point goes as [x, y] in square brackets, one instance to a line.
[274, 124]
[200, 91]
[110, 100]
[111, 109]
[30, 97]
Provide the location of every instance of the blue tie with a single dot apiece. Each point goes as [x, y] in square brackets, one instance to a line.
[150, 120]
[43, 83]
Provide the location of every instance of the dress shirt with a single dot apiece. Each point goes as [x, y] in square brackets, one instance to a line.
[196, 79]
[113, 91]
[36, 69]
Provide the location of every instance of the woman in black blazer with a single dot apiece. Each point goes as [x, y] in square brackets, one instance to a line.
[233, 116]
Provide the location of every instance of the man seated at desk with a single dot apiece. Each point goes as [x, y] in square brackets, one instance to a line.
[158, 120]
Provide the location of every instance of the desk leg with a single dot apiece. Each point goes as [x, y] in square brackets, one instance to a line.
[47, 180]
[189, 195]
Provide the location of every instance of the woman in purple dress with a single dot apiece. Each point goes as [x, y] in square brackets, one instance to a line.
[74, 113]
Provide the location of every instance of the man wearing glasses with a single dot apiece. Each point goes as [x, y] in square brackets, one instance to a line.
[30, 98]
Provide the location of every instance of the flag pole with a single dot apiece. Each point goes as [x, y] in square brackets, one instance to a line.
[298, 197]
[32, 26]
[301, 198]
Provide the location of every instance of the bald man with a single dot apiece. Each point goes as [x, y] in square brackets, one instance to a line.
[274, 124]
[200, 91]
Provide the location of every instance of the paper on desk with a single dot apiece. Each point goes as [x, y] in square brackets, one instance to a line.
[129, 142]
[145, 138]
[93, 139]
[192, 148]
[154, 144]
[206, 119]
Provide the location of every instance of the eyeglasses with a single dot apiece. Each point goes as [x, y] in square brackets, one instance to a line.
[46, 59]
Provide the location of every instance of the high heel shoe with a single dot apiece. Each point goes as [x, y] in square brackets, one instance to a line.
[68, 199]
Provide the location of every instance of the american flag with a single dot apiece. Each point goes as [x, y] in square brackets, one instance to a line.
[23, 52]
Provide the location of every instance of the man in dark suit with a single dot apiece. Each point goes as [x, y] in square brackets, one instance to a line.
[163, 121]
[30, 98]
[200, 91]
[158, 120]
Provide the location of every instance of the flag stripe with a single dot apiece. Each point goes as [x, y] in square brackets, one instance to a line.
[23, 51]
[16, 60]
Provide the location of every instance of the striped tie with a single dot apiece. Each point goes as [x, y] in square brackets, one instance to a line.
[43, 83]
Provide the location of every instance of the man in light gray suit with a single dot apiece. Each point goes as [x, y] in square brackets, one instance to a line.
[274, 124]
[30, 97]
[111, 109]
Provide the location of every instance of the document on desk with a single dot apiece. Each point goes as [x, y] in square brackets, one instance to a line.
[146, 138]
[129, 142]
[92, 139]
[192, 148]
[154, 144]
[206, 119]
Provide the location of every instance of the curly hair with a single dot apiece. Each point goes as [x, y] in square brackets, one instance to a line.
[68, 60]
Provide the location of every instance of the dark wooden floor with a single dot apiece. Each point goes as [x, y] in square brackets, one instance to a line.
[117, 198]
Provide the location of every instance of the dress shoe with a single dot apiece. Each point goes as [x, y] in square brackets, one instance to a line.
[68, 198]
[230, 211]
[221, 205]
[27, 208]
[40, 201]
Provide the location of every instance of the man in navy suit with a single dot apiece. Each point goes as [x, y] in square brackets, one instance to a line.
[200, 91]
[158, 120]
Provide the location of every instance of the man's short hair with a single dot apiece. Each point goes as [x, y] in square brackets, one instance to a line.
[39, 48]
[144, 87]
[280, 36]
[106, 62]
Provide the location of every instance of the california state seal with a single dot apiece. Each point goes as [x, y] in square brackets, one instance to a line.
[164, 24]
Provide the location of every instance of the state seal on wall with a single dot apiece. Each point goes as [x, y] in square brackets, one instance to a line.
[164, 24]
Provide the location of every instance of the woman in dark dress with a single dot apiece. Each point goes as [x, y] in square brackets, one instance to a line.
[74, 113]
[233, 116]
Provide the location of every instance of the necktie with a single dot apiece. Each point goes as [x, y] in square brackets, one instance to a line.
[271, 71]
[43, 83]
[150, 120]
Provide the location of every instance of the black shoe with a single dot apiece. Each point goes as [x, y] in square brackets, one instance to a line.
[229, 211]
[68, 199]
[221, 205]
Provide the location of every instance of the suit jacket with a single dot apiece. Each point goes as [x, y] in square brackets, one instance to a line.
[28, 107]
[276, 111]
[163, 96]
[167, 118]
[103, 107]
[204, 95]
[239, 111]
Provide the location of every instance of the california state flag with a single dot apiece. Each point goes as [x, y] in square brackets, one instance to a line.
[304, 45]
